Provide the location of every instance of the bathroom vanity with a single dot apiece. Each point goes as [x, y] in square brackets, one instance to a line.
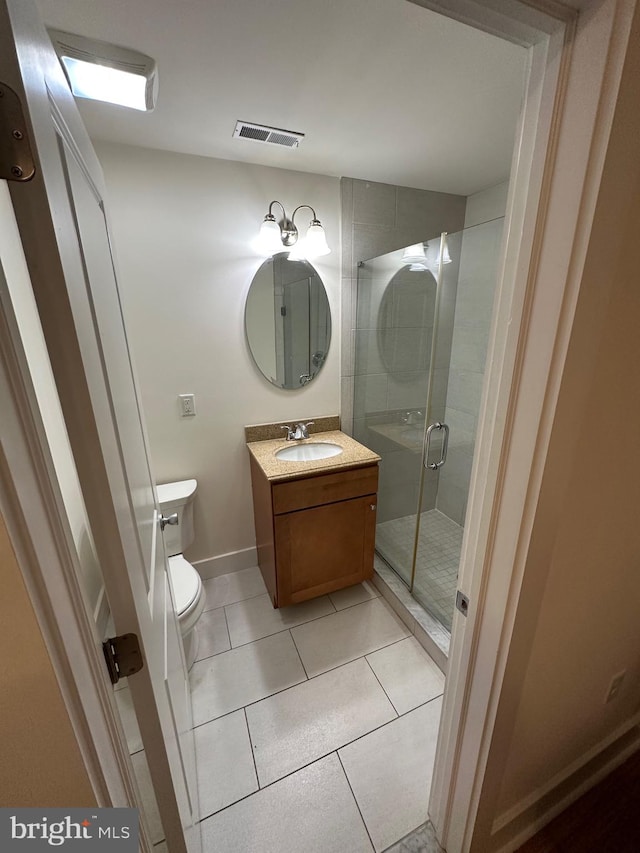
[315, 520]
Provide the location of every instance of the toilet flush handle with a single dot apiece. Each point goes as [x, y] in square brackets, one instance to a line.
[168, 519]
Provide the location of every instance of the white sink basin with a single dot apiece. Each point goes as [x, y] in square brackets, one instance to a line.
[308, 452]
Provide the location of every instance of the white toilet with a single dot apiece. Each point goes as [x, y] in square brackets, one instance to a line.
[186, 583]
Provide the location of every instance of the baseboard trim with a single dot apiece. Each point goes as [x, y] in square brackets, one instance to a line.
[523, 820]
[224, 564]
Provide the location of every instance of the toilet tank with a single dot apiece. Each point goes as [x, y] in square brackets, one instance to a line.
[177, 498]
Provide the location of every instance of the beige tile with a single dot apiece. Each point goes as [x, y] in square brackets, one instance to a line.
[397, 758]
[257, 617]
[353, 595]
[213, 636]
[346, 635]
[407, 674]
[236, 586]
[226, 772]
[235, 678]
[302, 724]
[312, 810]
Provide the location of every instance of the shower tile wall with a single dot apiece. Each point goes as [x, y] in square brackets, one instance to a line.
[376, 219]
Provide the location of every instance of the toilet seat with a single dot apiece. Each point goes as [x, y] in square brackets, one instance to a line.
[188, 591]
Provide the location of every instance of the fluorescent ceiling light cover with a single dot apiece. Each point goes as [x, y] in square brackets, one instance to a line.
[101, 83]
[107, 72]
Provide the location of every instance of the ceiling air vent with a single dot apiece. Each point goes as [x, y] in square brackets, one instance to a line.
[270, 135]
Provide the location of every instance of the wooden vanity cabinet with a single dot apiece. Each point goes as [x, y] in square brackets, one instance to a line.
[315, 534]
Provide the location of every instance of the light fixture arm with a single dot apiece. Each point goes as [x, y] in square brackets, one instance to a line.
[308, 206]
[287, 231]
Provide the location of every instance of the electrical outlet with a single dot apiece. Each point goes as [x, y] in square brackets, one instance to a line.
[187, 405]
[615, 685]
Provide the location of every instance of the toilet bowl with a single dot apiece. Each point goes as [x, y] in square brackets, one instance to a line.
[188, 591]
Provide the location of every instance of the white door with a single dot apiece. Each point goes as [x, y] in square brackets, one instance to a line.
[61, 218]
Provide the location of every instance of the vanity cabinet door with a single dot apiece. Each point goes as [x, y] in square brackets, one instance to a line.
[324, 548]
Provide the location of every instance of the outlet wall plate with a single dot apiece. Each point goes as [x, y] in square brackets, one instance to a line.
[187, 405]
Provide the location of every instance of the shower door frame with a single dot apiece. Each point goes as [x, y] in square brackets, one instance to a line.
[576, 60]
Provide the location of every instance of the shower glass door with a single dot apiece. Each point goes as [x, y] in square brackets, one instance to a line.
[423, 318]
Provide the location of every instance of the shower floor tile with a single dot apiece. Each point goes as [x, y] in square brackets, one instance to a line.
[437, 559]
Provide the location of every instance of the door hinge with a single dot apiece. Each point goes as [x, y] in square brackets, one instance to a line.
[16, 159]
[462, 602]
[123, 656]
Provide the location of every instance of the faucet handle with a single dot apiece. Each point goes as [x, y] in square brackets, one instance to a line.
[290, 431]
[301, 430]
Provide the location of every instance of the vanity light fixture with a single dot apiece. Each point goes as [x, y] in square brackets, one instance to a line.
[418, 258]
[106, 72]
[276, 237]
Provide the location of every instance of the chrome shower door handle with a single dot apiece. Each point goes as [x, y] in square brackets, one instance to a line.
[445, 445]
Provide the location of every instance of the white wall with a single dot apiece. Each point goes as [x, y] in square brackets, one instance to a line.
[183, 228]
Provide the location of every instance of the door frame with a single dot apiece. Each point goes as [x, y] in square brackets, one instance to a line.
[576, 52]
[555, 212]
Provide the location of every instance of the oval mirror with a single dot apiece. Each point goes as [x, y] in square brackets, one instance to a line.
[287, 321]
[405, 323]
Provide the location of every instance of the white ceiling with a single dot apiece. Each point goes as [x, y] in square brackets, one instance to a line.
[383, 89]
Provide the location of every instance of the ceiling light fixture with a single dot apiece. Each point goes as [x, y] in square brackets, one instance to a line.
[106, 72]
[276, 237]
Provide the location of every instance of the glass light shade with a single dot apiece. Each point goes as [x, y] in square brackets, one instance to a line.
[101, 83]
[433, 256]
[269, 241]
[446, 257]
[315, 243]
[413, 254]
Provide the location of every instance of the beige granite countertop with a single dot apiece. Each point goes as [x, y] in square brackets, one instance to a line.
[353, 455]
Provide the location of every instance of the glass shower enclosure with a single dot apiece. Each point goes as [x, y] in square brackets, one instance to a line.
[422, 329]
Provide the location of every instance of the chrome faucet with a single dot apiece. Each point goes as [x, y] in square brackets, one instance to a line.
[298, 432]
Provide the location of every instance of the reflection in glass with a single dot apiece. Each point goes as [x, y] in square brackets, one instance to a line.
[288, 321]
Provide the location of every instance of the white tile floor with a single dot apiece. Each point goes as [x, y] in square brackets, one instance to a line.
[315, 724]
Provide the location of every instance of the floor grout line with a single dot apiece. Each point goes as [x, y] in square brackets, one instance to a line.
[292, 627]
[255, 766]
[239, 601]
[309, 677]
[375, 675]
[355, 800]
[226, 622]
[299, 655]
[320, 757]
